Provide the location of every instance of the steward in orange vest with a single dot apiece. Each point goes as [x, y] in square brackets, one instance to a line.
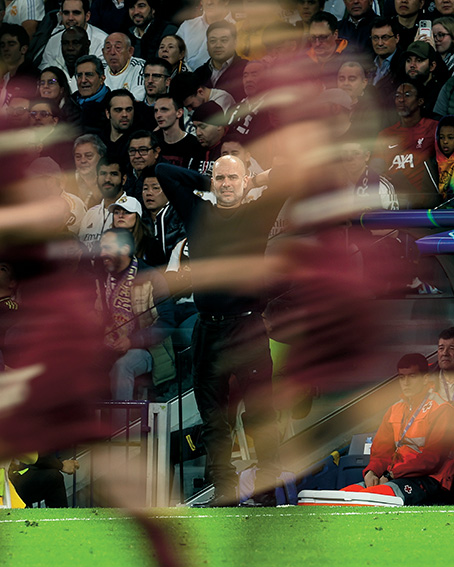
[412, 451]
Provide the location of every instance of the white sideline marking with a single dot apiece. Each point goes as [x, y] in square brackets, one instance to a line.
[374, 512]
[65, 520]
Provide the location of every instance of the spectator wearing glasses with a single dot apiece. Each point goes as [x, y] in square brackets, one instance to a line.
[16, 113]
[385, 40]
[53, 84]
[306, 9]
[404, 150]
[443, 33]
[156, 76]
[44, 118]
[327, 51]
[385, 43]
[143, 151]
[43, 112]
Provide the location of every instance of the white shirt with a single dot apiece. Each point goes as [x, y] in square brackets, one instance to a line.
[72, 81]
[223, 98]
[77, 211]
[216, 73]
[20, 11]
[256, 192]
[53, 55]
[194, 33]
[181, 249]
[445, 388]
[96, 220]
[130, 78]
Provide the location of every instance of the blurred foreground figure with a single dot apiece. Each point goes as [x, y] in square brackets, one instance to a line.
[55, 355]
[411, 452]
[54, 350]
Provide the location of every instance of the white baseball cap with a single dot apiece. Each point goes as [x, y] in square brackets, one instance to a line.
[130, 204]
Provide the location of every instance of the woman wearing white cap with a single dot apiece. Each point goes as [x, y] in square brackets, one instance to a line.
[127, 213]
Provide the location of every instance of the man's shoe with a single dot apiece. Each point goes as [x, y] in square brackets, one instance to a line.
[265, 499]
[218, 501]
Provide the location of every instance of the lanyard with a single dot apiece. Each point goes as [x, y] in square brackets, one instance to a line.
[411, 420]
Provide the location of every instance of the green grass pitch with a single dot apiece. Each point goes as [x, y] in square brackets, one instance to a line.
[266, 537]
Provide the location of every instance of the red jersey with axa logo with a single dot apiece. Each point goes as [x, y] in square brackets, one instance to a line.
[406, 149]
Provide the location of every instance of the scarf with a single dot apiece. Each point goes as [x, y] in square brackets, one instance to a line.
[97, 97]
[445, 171]
[445, 164]
[118, 297]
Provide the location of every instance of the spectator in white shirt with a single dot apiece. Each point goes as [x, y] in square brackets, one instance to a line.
[123, 71]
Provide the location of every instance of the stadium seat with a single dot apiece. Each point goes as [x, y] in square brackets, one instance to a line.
[350, 469]
[351, 466]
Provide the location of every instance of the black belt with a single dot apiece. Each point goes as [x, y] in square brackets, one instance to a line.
[219, 317]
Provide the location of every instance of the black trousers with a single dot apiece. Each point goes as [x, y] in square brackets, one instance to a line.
[41, 484]
[237, 346]
[419, 491]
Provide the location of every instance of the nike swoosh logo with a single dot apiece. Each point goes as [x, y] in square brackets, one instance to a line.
[393, 146]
